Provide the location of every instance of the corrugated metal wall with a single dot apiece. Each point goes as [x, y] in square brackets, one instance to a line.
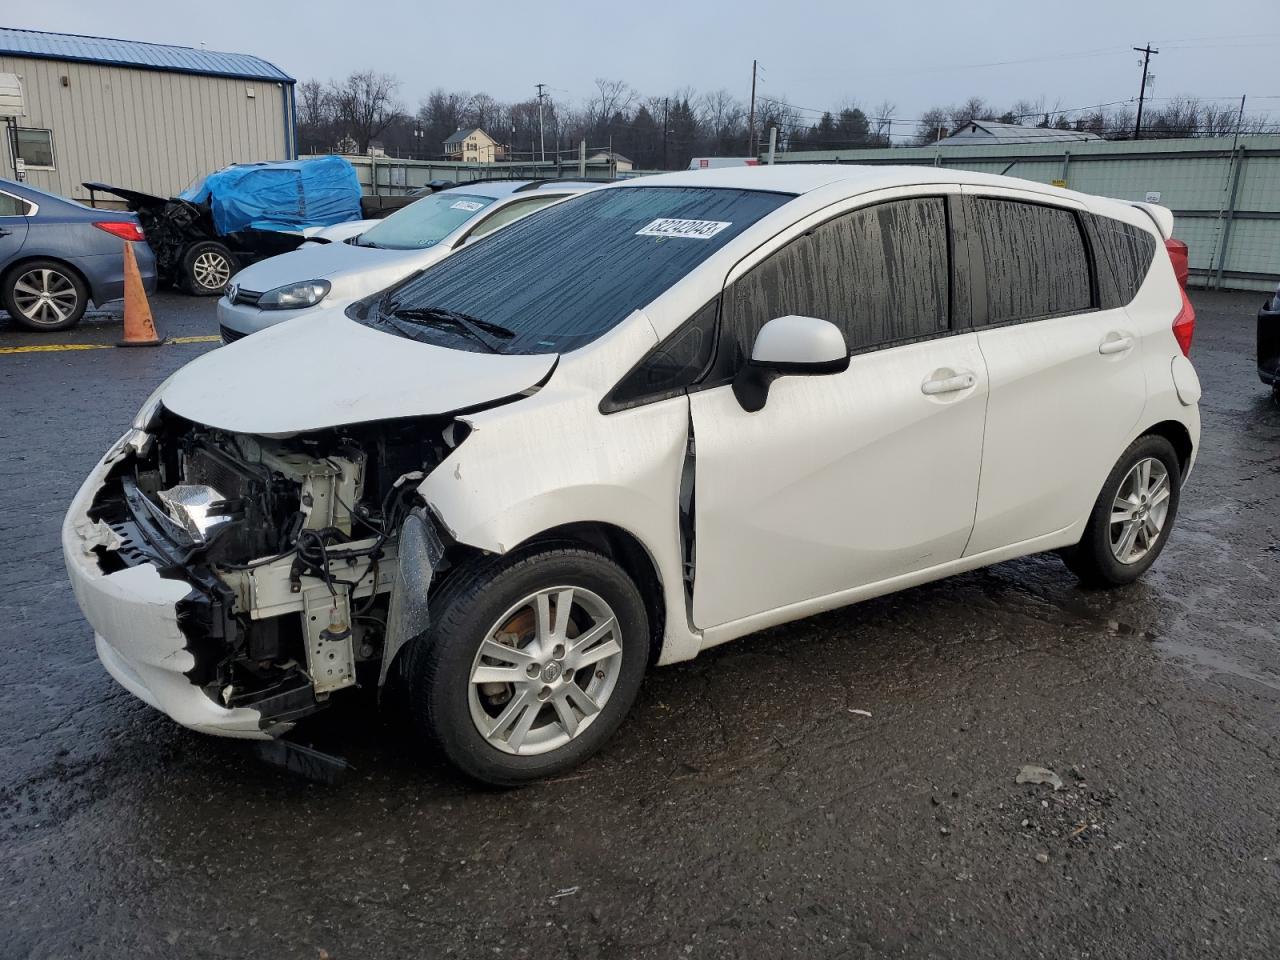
[1227, 204]
[144, 129]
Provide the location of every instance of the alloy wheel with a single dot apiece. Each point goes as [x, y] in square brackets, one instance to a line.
[1139, 511]
[545, 670]
[45, 296]
[211, 270]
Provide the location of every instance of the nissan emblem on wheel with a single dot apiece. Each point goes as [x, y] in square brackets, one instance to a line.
[475, 493]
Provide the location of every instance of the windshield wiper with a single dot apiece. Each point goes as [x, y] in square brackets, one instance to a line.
[478, 329]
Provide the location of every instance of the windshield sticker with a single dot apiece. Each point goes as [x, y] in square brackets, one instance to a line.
[689, 229]
[471, 206]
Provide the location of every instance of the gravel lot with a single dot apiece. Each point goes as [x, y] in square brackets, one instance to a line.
[745, 810]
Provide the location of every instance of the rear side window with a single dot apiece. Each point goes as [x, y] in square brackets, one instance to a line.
[1035, 259]
[879, 273]
[1124, 254]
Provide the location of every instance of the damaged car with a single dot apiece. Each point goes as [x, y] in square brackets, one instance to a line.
[239, 215]
[631, 426]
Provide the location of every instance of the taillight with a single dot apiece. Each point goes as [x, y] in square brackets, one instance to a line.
[124, 229]
[1184, 326]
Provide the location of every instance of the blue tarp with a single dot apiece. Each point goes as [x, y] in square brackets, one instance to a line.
[285, 195]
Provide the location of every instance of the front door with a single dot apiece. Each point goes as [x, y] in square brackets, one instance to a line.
[845, 479]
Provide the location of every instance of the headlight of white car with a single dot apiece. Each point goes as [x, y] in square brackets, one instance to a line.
[293, 296]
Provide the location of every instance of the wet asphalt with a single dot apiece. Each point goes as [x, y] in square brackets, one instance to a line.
[839, 787]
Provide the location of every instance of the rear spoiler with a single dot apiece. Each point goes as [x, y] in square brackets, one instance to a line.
[1162, 217]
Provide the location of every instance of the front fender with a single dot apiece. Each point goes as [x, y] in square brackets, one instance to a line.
[554, 459]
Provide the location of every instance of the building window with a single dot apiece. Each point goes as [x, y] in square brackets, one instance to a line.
[33, 146]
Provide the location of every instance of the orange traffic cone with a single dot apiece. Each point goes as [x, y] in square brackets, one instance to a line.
[139, 328]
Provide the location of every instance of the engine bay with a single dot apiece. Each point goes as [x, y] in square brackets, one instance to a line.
[289, 546]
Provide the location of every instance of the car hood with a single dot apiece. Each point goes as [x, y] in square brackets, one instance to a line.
[327, 370]
[352, 271]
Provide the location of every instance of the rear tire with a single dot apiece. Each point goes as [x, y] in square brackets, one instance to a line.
[1132, 517]
[207, 268]
[557, 694]
[44, 295]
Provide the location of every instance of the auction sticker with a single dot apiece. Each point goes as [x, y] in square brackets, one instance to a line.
[689, 229]
[471, 206]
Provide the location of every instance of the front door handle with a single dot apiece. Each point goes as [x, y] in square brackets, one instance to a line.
[1115, 343]
[948, 384]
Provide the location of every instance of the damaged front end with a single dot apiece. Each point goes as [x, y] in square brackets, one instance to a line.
[237, 582]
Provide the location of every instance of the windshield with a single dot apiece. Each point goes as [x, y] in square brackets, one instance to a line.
[561, 277]
[424, 222]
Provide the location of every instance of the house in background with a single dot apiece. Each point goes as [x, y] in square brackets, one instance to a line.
[978, 133]
[473, 146]
[146, 116]
[618, 162]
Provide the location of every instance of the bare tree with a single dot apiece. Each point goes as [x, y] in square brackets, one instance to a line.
[613, 97]
[315, 116]
[365, 104]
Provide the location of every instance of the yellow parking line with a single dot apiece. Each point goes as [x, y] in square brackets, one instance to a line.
[51, 347]
[54, 347]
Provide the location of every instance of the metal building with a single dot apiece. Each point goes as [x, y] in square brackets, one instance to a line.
[145, 116]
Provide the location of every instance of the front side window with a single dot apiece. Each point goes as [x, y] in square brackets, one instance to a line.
[512, 211]
[425, 222]
[34, 146]
[1035, 260]
[559, 278]
[878, 273]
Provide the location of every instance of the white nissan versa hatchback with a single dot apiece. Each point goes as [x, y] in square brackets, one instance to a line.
[633, 425]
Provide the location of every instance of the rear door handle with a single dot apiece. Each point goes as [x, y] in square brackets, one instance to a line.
[4, 232]
[1115, 343]
[951, 384]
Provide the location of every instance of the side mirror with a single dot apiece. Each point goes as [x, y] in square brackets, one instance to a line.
[788, 347]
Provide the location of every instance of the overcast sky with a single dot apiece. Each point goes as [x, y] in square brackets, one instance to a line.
[813, 55]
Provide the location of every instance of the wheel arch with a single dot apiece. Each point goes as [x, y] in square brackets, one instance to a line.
[1179, 437]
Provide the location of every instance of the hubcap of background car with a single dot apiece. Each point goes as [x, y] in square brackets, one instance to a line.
[545, 670]
[45, 296]
[1139, 511]
[211, 270]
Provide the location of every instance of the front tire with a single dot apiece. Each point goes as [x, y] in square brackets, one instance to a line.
[1132, 517]
[207, 269]
[530, 664]
[44, 295]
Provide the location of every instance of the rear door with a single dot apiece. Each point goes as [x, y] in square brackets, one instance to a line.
[13, 225]
[844, 479]
[1066, 381]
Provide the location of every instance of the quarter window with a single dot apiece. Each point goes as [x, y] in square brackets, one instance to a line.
[879, 273]
[11, 206]
[1124, 254]
[1035, 259]
[34, 146]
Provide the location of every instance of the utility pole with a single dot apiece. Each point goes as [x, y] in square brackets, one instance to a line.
[751, 120]
[666, 127]
[542, 136]
[1146, 52]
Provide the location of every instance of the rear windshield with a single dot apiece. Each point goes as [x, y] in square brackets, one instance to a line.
[424, 222]
[561, 277]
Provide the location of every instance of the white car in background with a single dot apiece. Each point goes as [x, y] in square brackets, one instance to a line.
[484, 483]
[365, 256]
